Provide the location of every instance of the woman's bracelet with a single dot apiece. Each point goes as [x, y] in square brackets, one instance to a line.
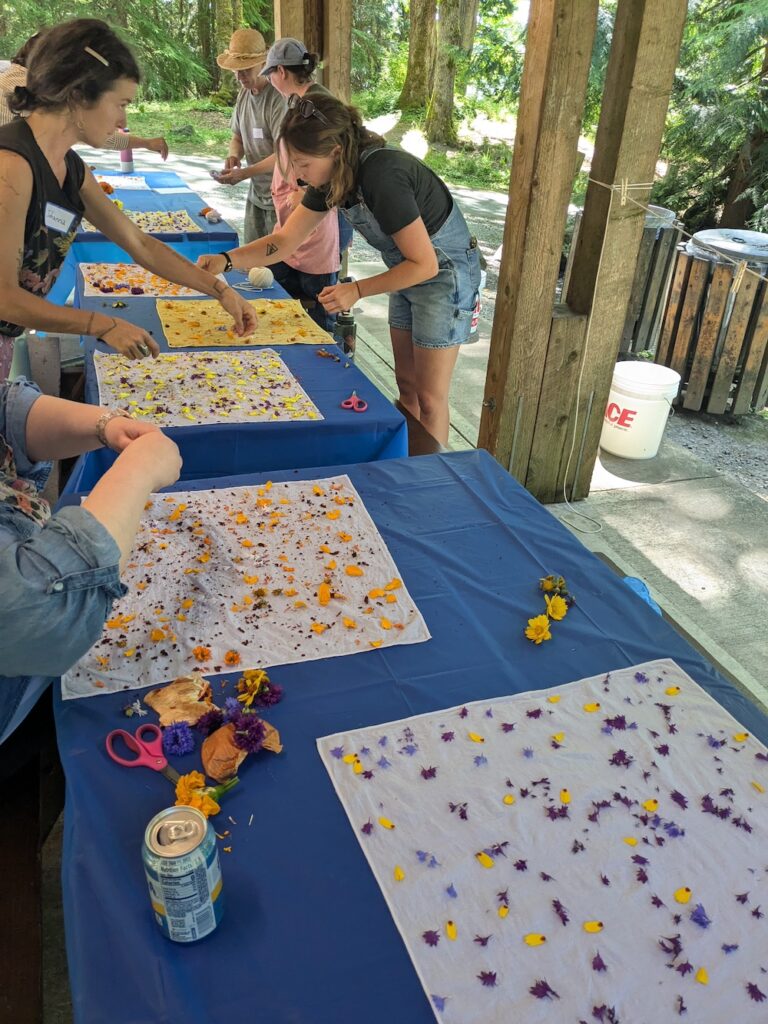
[103, 420]
[113, 326]
[359, 293]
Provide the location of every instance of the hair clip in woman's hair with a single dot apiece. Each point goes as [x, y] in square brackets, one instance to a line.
[96, 56]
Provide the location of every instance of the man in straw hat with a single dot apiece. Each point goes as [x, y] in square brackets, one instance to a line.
[256, 120]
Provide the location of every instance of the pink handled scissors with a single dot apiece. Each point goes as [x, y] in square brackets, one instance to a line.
[354, 403]
[147, 744]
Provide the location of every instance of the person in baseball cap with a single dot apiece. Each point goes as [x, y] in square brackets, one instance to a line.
[289, 53]
[256, 120]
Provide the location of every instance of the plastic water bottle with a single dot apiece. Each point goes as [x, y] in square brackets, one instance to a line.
[126, 159]
[345, 331]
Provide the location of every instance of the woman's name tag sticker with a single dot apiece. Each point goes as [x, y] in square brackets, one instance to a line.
[57, 218]
[258, 133]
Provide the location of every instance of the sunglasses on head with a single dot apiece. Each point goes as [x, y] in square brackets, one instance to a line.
[306, 108]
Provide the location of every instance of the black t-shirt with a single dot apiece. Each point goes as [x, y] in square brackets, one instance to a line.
[45, 245]
[397, 188]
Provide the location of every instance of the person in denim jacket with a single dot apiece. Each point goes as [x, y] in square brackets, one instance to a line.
[60, 573]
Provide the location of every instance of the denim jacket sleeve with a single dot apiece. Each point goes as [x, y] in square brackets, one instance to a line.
[58, 587]
[16, 399]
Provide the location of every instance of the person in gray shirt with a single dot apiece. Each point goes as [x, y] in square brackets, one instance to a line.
[256, 121]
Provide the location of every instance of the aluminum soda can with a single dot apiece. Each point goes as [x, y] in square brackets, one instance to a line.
[181, 862]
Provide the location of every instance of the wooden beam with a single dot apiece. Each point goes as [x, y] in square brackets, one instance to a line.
[558, 51]
[641, 67]
[325, 27]
[337, 54]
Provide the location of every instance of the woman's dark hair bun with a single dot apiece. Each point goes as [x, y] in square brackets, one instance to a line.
[21, 100]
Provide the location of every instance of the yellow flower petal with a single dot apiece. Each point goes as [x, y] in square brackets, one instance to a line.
[593, 927]
[353, 570]
[483, 859]
[398, 873]
[534, 939]
[450, 931]
[701, 976]
[386, 823]
[682, 895]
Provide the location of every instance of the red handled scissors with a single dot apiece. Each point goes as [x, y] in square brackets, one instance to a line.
[147, 744]
[354, 403]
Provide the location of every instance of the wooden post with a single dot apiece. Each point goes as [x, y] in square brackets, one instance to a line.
[558, 51]
[325, 27]
[337, 53]
[646, 44]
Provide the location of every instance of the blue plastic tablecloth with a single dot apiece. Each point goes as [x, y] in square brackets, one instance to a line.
[223, 449]
[307, 937]
[148, 199]
[213, 237]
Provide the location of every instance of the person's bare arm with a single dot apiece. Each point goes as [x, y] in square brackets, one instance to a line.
[159, 258]
[58, 429]
[272, 248]
[419, 264]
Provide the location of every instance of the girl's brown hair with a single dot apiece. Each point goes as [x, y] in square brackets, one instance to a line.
[338, 125]
[73, 63]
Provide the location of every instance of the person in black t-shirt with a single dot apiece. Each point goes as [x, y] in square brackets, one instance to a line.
[80, 80]
[406, 212]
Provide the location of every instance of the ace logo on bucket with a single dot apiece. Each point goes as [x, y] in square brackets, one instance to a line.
[618, 416]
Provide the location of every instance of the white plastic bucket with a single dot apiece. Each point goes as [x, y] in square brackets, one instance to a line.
[639, 402]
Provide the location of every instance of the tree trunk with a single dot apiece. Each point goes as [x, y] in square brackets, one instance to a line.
[469, 24]
[237, 14]
[738, 211]
[440, 126]
[421, 52]
[205, 36]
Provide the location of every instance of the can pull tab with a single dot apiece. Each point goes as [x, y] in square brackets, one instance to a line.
[173, 831]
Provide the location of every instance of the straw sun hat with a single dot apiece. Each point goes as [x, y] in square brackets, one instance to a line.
[246, 49]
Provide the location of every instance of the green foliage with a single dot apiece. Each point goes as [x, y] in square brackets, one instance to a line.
[379, 28]
[486, 166]
[495, 67]
[718, 114]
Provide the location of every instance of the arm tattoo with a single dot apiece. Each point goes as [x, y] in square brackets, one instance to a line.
[271, 248]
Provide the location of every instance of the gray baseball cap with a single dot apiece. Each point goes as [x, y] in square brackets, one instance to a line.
[288, 53]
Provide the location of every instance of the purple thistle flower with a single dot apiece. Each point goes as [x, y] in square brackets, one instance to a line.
[561, 912]
[367, 828]
[232, 707]
[757, 913]
[480, 759]
[212, 720]
[605, 1014]
[489, 713]
[269, 694]
[672, 946]
[715, 742]
[709, 806]
[487, 978]
[742, 897]
[451, 890]
[178, 739]
[598, 964]
[679, 799]
[431, 938]
[641, 875]
[461, 809]
[528, 752]
[483, 940]
[605, 880]
[542, 990]
[684, 968]
[463, 713]
[383, 741]
[729, 947]
[337, 752]
[699, 916]
[618, 722]
[249, 732]
[641, 677]
[409, 749]
[681, 1007]
[447, 737]
[621, 759]
[742, 823]
[754, 992]
[521, 865]
[383, 762]
[545, 877]
[657, 902]
[638, 858]
[507, 726]
[535, 713]
[428, 773]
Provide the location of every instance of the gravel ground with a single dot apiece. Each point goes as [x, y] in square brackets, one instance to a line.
[738, 447]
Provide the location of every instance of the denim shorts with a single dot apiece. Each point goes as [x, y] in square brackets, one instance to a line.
[438, 312]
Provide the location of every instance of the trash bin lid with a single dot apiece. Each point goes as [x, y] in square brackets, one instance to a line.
[659, 217]
[740, 245]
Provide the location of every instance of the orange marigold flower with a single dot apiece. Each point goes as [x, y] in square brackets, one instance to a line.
[201, 653]
[231, 658]
[353, 570]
